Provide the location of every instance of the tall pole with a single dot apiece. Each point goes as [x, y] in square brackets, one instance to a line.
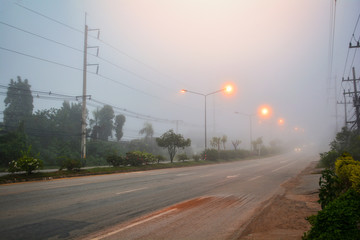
[83, 116]
[205, 125]
[356, 101]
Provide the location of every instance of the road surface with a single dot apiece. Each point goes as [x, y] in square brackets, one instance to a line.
[204, 202]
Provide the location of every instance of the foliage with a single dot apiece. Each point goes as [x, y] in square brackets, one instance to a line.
[172, 142]
[338, 220]
[115, 160]
[147, 130]
[138, 158]
[119, 123]
[106, 116]
[345, 141]
[215, 143]
[18, 103]
[210, 155]
[26, 163]
[182, 157]
[196, 157]
[236, 143]
[330, 187]
[160, 158]
[348, 171]
[257, 145]
[223, 141]
[327, 159]
[70, 164]
[11, 145]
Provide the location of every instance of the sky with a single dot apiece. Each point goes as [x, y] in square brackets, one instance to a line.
[287, 54]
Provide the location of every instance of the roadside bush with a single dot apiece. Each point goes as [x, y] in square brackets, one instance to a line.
[115, 160]
[134, 158]
[210, 155]
[25, 163]
[348, 171]
[138, 158]
[160, 158]
[196, 157]
[338, 220]
[225, 154]
[330, 187]
[70, 164]
[327, 159]
[182, 157]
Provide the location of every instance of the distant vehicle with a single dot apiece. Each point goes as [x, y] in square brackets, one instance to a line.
[297, 149]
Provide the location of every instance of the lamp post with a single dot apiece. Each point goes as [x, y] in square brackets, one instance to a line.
[226, 89]
[250, 121]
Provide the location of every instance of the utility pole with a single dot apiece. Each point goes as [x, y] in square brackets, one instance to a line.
[356, 99]
[84, 96]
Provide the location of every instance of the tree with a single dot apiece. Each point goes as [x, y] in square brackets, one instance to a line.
[172, 142]
[236, 143]
[224, 140]
[215, 142]
[106, 116]
[257, 144]
[119, 123]
[18, 103]
[147, 130]
[94, 124]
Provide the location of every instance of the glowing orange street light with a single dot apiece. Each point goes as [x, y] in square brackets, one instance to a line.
[227, 89]
[265, 111]
[281, 121]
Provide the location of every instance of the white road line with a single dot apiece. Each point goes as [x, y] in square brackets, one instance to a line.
[233, 176]
[254, 178]
[183, 174]
[282, 167]
[134, 224]
[132, 190]
[284, 161]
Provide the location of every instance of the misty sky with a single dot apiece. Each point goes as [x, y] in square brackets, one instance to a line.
[275, 52]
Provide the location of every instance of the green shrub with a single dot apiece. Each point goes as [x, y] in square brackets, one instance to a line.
[330, 187]
[25, 163]
[160, 158]
[348, 171]
[115, 160]
[327, 159]
[196, 157]
[70, 164]
[338, 220]
[210, 155]
[134, 158]
[182, 157]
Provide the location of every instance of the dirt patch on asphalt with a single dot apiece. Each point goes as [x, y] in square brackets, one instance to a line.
[284, 216]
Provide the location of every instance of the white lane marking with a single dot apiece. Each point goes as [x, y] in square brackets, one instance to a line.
[284, 161]
[282, 167]
[254, 178]
[134, 224]
[207, 175]
[132, 190]
[183, 174]
[233, 176]
[160, 173]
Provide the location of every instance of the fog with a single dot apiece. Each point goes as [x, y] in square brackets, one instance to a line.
[279, 53]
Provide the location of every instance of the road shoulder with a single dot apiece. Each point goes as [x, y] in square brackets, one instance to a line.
[283, 216]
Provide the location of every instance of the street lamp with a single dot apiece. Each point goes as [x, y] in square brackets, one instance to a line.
[250, 121]
[227, 89]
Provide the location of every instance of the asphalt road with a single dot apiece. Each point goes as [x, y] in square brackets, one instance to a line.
[205, 202]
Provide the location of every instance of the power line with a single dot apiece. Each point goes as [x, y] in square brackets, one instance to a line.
[107, 44]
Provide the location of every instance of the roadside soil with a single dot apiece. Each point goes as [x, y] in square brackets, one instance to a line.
[284, 216]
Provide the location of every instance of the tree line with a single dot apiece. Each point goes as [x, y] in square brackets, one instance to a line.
[56, 133]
